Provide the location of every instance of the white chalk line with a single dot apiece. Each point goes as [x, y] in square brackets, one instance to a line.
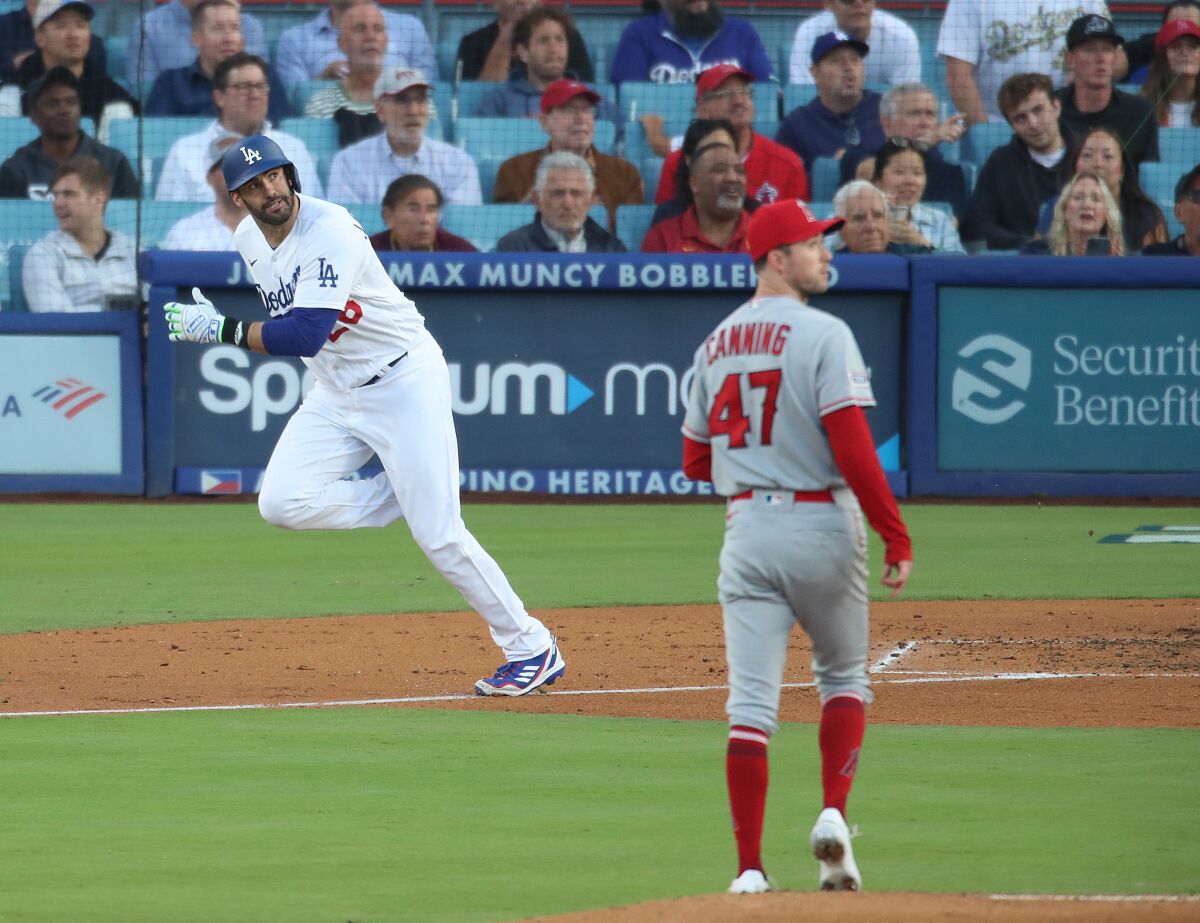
[648, 690]
[1101, 898]
[893, 656]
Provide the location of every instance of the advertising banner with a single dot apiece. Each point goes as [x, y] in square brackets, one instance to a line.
[554, 390]
[1057, 380]
[60, 405]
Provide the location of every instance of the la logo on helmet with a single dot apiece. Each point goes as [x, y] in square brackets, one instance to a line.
[250, 154]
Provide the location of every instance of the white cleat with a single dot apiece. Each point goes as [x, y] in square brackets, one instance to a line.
[831, 846]
[751, 881]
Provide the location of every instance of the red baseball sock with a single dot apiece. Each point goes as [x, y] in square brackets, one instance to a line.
[843, 721]
[746, 775]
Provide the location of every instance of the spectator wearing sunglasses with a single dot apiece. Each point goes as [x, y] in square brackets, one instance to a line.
[1187, 210]
[843, 121]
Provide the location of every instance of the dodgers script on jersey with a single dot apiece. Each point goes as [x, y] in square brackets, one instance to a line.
[327, 262]
[763, 380]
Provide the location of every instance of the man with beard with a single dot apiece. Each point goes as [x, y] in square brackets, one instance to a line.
[382, 388]
[684, 39]
[843, 121]
[716, 221]
[54, 108]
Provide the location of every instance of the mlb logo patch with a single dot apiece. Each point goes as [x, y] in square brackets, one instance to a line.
[220, 482]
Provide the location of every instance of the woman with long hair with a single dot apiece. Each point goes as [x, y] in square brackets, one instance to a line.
[1173, 83]
[900, 172]
[1086, 222]
[1099, 151]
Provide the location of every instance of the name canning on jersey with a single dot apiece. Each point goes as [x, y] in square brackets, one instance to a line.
[752, 339]
[278, 301]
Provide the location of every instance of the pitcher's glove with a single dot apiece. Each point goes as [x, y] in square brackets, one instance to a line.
[194, 323]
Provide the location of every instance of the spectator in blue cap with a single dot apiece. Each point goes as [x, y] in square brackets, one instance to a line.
[843, 121]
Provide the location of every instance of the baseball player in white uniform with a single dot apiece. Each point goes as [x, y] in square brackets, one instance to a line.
[775, 421]
[382, 387]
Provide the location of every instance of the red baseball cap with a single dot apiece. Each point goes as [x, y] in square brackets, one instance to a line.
[1176, 28]
[787, 221]
[712, 78]
[562, 92]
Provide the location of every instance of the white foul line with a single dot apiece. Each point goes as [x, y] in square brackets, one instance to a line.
[1102, 898]
[648, 690]
[895, 654]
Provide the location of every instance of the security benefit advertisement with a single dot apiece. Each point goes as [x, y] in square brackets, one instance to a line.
[578, 392]
[60, 404]
[1068, 380]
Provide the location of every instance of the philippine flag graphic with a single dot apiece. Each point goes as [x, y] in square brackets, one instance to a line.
[69, 396]
[220, 482]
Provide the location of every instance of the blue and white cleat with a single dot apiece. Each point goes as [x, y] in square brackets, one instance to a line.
[518, 677]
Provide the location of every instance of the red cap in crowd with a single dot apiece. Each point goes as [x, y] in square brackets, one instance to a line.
[1176, 28]
[562, 92]
[787, 221]
[712, 78]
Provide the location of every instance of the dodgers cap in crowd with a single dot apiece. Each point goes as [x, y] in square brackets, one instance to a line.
[831, 41]
[1176, 28]
[49, 8]
[1086, 28]
[251, 156]
[398, 79]
[712, 78]
[562, 92]
[787, 221]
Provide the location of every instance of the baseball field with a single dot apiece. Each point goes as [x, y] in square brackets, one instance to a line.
[206, 719]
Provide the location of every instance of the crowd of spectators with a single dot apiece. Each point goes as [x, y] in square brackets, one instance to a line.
[1084, 106]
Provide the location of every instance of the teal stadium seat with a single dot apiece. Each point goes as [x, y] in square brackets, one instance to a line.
[157, 134]
[447, 56]
[157, 218]
[675, 102]
[320, 136]
[795, 95]
[470, 92]
[1158, 181]
[304, 90]
[17, 131]
[22, 222]
[15, 303]
[633, 221]
[1180, 146]
[980, 140]
[825, 178]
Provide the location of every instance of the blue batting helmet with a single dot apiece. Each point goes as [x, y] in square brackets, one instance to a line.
[247, 158]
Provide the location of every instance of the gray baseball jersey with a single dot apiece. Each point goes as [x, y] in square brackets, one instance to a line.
[762, 381]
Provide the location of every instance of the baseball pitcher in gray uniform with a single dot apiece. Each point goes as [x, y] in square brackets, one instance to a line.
[775, 420]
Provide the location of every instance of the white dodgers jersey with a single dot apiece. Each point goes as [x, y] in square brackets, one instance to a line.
[328, 262]
[762, 381]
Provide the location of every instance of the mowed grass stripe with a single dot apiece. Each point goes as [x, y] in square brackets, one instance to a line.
[370, 814]
[87, 565]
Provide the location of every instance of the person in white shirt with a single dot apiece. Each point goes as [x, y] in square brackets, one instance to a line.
[82, 266]
[241, 94]
[362, 172]
[213, 227]
[895, 55]
[310, 50]
[984, 42]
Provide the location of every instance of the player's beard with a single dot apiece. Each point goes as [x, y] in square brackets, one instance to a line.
[279, 217]
[698, 25]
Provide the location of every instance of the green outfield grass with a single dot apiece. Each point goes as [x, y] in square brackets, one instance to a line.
[380, 814]
[119, 564]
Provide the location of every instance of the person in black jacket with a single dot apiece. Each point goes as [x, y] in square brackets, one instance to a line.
[487, 53]
[563, 192]
[54, 108]
[1187, 210]
[16, 43]
[1023, 174]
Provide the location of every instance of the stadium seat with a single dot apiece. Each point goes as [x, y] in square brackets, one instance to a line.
[157, 218]
[470, 92]
[158, 133]
[22, 222]
[304, 90]
[675, 102]
[633, 221]
[1158, 181]
[825, 178]
[1179, 146]
[981, 139]
[320, 136]
[17, 131]
[795, 95]
[15, 303]
[766, 104]
[447, 56]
